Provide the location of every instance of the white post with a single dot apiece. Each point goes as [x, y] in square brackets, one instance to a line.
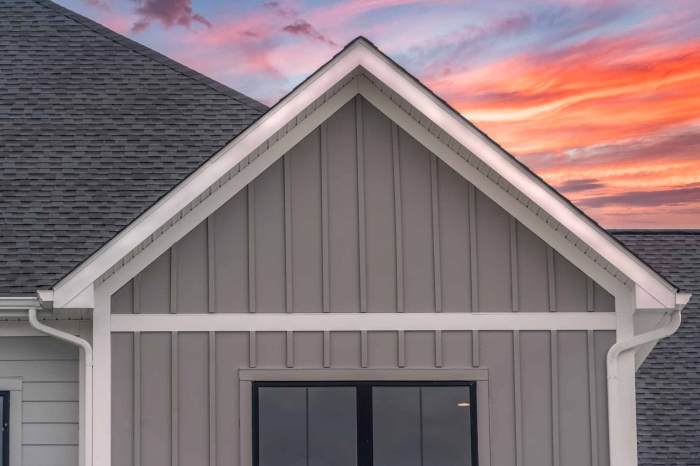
[102, 381]
[622, 409]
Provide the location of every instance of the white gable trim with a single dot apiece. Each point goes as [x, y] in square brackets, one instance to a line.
[335, 81]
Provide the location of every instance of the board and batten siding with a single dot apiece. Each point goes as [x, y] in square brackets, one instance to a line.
[176, 401]
[359, 217]
[48, 369]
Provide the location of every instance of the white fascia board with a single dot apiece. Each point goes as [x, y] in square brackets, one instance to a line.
[390, 321]
[359, 53]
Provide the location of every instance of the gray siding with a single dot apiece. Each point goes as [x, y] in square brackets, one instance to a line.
[183, 389]
[49, 372]
[360, 217]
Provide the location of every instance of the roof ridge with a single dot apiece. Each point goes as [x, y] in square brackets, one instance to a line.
[154, 55]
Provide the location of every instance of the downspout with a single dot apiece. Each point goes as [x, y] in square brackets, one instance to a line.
[613, 357]
[86, 438]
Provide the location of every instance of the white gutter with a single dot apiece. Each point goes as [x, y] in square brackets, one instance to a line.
[8, 308]
[613, 358]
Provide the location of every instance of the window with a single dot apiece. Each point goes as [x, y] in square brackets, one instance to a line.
[364, 424]
[5, 437]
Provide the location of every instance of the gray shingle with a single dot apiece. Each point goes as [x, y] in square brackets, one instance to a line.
[668, 383]
[94, 128]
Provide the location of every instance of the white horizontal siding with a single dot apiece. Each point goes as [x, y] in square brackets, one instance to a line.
[49, 372]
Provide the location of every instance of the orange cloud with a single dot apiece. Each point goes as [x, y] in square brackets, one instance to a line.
[614, 121]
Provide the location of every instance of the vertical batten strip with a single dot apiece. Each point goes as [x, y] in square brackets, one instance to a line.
[173, 279]
[438, 348]
[592, 401]
[288, 278]
[211, 266]
[325, 248]
[401, 348]
[590, 298]
[514, 285]
[554, 351]
[363, 349]
[137, 399]
[251, 248]
[473, 270]
[476, 360]
[174, 400]
[212, 398]
[252, 350]
[551, 281]
[136, 294]
[517, 391]
[437, 266]
[362, 240]
[326, 348]
[289, 348]
[473, 264]
[398, 217]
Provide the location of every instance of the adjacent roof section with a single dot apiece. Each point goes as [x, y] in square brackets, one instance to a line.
[94, 128]
[668, 383]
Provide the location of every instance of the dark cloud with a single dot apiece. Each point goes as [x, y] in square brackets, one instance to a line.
[301, 27]
[167, 12]
[667, 197]
[575, 186]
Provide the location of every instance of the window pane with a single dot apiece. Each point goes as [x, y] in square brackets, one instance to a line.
[2, 420]
[332, 426]
[299, 426]
[282, 426]
[421, 426]
[396, 426]
[446, 425]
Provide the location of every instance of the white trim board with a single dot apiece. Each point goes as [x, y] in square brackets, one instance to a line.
[339, 322]
[76, 289]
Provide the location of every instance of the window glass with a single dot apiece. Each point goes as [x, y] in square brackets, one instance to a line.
[300, 426]
[396, 426]
[282, 421]
[2, 437]
[385, 424]
[445, 417]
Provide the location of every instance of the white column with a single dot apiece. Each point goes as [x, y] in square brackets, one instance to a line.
[102, 379]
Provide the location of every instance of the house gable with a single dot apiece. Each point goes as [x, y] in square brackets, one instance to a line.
[571, 234]
[359, 216]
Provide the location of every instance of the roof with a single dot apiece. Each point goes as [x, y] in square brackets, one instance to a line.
[95, 128]
[668, 383]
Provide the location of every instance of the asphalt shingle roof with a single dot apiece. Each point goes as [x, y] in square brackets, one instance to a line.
[94, 128]
[668, 383]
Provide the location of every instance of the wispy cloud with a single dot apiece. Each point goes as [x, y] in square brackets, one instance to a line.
[166, 12]
[301, 27]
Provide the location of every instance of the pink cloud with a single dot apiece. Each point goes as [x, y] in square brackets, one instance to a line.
[168, 13]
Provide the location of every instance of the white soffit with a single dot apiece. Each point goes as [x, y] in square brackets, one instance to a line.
[77, 286]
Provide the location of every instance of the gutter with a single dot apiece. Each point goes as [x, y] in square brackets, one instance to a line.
[9, 308]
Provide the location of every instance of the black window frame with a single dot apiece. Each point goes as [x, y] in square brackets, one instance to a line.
[5, 395]
[364, 410]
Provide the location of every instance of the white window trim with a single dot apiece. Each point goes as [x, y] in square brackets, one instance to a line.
[14, 386]
[76, 290]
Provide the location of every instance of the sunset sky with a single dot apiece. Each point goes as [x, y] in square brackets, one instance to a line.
[600, 98]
